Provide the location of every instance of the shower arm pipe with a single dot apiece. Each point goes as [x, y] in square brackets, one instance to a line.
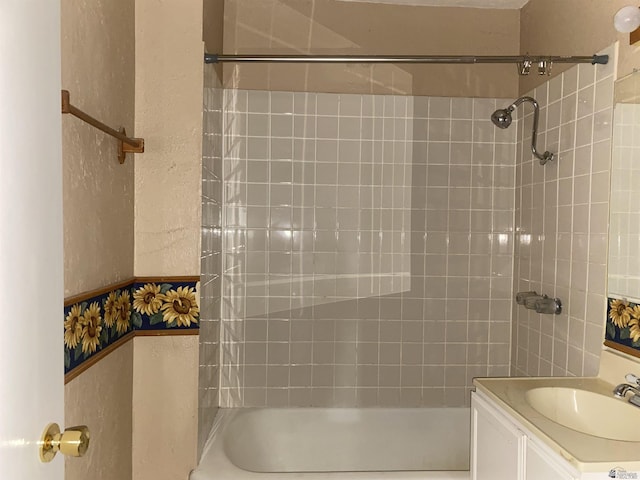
[546, 156]
[418, 59]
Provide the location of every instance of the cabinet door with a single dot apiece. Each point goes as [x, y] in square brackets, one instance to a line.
[497, 445]
[539, 466]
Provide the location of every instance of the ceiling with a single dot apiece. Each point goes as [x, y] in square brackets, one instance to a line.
[506, 4]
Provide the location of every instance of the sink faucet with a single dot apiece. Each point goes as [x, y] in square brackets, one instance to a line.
[621, 390]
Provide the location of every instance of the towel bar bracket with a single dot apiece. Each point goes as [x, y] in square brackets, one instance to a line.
[124, 148]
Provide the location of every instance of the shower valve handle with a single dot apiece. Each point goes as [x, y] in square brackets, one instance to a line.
[548, 305]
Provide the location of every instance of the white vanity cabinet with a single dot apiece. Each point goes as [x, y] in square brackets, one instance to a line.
[502, 450]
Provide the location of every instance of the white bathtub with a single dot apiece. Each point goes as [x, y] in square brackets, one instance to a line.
[324, 443]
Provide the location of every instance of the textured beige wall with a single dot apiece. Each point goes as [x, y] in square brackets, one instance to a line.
[98, 70]
[573, 27]
[165, 385]
[169, 52]
[212, 29]
[169, 97]
[101, 398]
[336, 27]
[212, 22]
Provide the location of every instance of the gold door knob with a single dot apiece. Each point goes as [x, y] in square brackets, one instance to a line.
[73, 442]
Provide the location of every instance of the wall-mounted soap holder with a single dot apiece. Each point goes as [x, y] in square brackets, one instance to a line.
[539, 303]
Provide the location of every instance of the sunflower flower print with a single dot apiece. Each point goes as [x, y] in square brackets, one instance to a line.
[148, 299]
[110, 310]
[634, 324]
[73, 327]
[180, 306]
[619, 313]
[91, 328]
[123, 307]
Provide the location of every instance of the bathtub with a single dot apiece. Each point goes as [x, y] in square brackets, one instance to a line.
[337, 443]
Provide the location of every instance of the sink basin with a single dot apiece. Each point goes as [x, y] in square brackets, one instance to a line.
[587, 412]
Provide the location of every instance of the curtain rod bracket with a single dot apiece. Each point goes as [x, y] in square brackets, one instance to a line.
[125, 144]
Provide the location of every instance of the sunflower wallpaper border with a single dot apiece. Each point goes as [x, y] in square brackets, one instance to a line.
[623, 324]
[95, 323]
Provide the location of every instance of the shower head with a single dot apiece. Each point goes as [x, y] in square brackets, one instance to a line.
[501, 118]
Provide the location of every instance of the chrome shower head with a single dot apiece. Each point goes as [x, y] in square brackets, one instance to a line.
[501, 118]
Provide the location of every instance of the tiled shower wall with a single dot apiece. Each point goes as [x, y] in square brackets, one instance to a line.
[562, 212]
[211, 260]
[368, 249]
[624, 260]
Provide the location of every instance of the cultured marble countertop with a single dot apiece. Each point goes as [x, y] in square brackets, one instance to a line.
[586, 453]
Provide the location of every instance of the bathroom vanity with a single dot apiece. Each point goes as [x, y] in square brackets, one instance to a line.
[555, 428]
[503, 449]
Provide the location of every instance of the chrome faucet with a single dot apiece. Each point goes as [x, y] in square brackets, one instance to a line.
[621, 390]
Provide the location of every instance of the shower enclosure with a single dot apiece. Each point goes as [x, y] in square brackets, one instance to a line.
[364, 250]
[358, 250]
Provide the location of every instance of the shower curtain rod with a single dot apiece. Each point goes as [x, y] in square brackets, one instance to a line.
[524, 60]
